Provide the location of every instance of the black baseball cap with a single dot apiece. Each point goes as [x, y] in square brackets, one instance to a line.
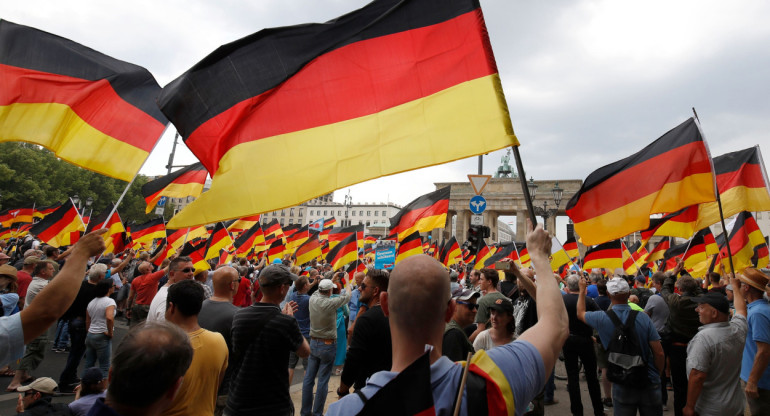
[715, 299]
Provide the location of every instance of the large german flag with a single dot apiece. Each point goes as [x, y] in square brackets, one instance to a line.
[343, 253]
[5, 233]
[196, 252]
[57, 228]
[117, 243]
[180, 184]
[147, 232]
[297, 238]
[88, 108]
[680, 223]
[423, 214]
[613, 202]
[272, 230]
[394, 86]
[336, 235]
[220, 239]
[309, 250]
[409, 246]
[608, 255]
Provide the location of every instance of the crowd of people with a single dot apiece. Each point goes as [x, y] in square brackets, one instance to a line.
[227, 341]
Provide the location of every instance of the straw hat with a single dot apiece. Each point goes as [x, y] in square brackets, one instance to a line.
[754, 278]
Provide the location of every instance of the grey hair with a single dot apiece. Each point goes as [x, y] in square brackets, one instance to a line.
[573, 283]
[97, 271]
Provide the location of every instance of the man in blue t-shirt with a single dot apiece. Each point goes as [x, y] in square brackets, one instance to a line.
[755, 372]
[418, 305]
[627, 399]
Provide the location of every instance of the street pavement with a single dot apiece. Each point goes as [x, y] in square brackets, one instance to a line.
[53, 364]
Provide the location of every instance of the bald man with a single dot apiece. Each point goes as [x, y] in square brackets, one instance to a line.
[143, 289]
[418, 305]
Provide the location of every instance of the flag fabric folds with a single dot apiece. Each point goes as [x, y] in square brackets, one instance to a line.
[559, 256]
[185, 182]
[220, 239]
[409, 246]
[571, 247]
[423, 214]
[249, 239]
[744, 237]
[369, 94]
[659, 251]
[309, 250]
[451, 253]
[613, 202]
[346, 251]
[147, 232]
[482, 256]
[507, 251]
[17, 216]
[88, 108]
[243, 224]
[608, 255]
[336, 235]
[409, 393]
[276, 250]
[61, 227]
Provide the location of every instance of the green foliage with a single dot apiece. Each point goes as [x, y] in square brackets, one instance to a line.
[30, 175]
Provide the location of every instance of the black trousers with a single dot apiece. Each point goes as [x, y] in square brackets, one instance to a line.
[582, 348]
[677, 353]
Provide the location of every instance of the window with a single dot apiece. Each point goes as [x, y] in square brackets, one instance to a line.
[291, 212]
[283, 212]
[275, 213]
[376, 213]
[353, 214]
[300, 212]
[339, 213]
[360, 222]
[367, 223]
[291, 221]
[282, 222]
[361, 213]
[311, 212]
[384, 214]
[368, 213]
[324, 213]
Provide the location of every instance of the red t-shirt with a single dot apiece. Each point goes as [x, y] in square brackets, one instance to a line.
[146, 286]
[23, 279]
[242, 298]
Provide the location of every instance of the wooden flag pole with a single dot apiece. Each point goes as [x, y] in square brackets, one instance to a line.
[524, 187]
[719, 203]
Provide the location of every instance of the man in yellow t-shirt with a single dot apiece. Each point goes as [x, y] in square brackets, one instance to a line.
[198, 393]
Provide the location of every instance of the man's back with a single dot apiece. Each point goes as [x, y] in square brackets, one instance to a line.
[217, 316]
[370, 348]
[198, 393]
[262, 338]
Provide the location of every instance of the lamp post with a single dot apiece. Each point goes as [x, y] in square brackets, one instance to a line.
[545, 212]
[348, 204]
[79, 203]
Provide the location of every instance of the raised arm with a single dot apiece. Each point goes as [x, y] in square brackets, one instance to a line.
[124, 263]
[550, 332]
[58, 295]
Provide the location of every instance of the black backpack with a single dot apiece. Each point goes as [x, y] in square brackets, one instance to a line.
[626, 363]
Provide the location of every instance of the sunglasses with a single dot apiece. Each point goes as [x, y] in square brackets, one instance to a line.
[362, 287]
[469, 305]
[187, 270]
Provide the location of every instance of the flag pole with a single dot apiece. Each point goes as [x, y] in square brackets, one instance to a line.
[524, 187]
[719, 201]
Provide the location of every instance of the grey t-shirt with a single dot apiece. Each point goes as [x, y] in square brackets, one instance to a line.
[658, 310]
[217, 316]
[714, 350]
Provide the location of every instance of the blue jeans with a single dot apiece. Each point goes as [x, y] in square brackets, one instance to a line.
[319, 363]
[62, 334]
[98, 346]
[627, 399]
[77, 332]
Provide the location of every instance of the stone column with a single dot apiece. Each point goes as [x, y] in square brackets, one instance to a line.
[521, 225]
[551, 225]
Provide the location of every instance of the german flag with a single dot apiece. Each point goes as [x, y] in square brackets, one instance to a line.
[608, 255]
[249, 239]
[309, 250]
[629, 264]
[524, 259]
[116, 243]
[57, 228]
[243, 224]
[452, 254]
[177, 238]
[369, 67]
[482, 256]
[338, 234]
[291, 229]
[219, 239]
[180, 184]
[113, 226]
[196, 252]
[225, 257]
[423, 214]
[343, 253]
[272, 230]
[425, 246]
[571, 247]
[409, 246]
[16, 215]
[276, 250]
[5, 233]
[675, 224]
[147, 232]
[88, 108]
[658, 252]
[468, 256]
[744, 237]
[297, 238]
[708, 241]
[165, 251]
[410, 393]
[507, 251]
[41, 212]
[613, 202]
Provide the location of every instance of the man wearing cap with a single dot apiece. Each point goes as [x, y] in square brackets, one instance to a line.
[488, 284]
[35, 399]
[262, 337]
[93, 386]
[755, 371]
[628, 399]
[370, 345]
[456, 344]
[323, 346]
[714, 387]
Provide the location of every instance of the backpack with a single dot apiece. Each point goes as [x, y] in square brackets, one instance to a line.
[626, 363]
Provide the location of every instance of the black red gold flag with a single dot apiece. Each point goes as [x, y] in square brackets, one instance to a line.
[571, 247]
[423, 214]
[385, 117]
[409, 393]
[220, 239]
[451, 253]
[17, 215]
[276, 250]
[88, 108]
[60, 227]
[340, 233]
[409, 246]
[41, 212]
[242, 224]
[249, 239]
[659, 251]
[482, 256]
[345, 252]
[507, 251]
[608, 255]
[147, 232]
[182, 183]
[613, 202]
[744, 237]
[309, 250]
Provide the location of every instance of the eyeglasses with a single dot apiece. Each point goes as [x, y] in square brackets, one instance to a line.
[187, 270]
[362, 286]
[471, 306]
[29, 393]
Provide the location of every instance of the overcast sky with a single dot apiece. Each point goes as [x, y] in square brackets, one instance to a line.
[587, 82]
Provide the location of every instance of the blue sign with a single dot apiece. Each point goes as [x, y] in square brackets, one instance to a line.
[162, 201]
[384, 257]
[478, 204]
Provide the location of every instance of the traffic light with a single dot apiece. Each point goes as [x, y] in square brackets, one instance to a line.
[475, 236]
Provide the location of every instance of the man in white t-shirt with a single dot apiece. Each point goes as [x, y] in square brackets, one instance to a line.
[180, 268]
